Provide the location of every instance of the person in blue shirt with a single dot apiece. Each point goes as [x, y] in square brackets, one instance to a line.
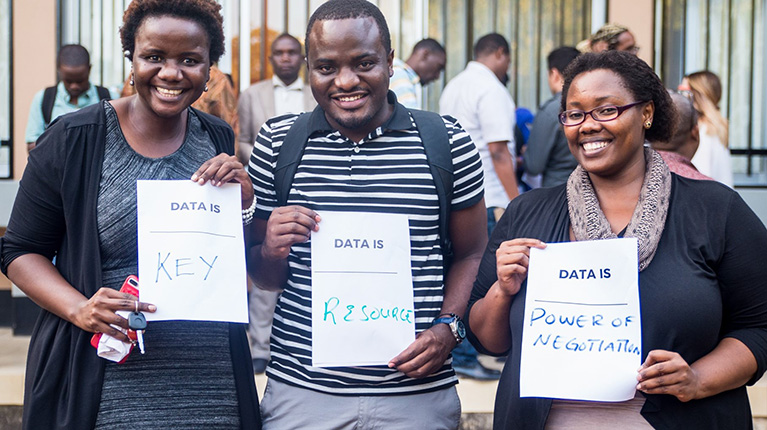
[73, 91]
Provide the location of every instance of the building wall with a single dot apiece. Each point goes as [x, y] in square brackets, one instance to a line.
[637, 15]
[34, 65]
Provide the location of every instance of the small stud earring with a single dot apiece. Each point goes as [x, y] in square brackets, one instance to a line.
[206, 88]
[648, 124]
[131, 81]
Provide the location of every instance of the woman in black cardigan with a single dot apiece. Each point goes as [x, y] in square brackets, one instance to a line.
[77, 202]
[703, 282]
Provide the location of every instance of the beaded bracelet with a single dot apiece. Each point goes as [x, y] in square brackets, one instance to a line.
[247, 214]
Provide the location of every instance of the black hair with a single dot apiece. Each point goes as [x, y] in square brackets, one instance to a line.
[638, 78]
[73, 55]
[430, 45]
[286, 36]
[490, 43]
[561, 57]
[345, 9]
[207, 13]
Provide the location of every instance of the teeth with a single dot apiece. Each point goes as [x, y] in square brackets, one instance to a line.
[593, 146]
[349, 99]
[167, 92]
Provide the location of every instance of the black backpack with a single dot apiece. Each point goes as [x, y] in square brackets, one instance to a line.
[436, 145]
[49, 96]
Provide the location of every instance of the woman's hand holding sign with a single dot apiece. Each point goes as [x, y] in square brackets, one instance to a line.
[512, 259]
[666, 372]
[730, 365]
[225, 168]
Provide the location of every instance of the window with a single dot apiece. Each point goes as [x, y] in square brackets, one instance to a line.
[6, 96]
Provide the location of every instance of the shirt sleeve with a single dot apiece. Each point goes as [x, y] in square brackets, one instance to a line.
[263, 161]
[37, 223]
[495, 112]
[467, 167]
[35, 122]
[401, 85]
[742, 277]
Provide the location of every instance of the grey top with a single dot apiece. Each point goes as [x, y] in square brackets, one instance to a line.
[547, 152]
[186, 379]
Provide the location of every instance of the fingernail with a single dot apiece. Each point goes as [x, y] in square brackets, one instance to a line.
[194, 177]
[152, 308]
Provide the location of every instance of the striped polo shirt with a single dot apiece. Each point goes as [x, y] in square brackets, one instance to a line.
[385, 172]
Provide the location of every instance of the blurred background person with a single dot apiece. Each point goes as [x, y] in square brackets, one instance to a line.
[73, 91]
[478, 99]
[547, 152]
[679, 149]
[610, 37]
[422, 67]
[284, 93]
[712, 157]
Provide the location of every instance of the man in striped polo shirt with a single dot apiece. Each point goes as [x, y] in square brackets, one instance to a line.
[363, 154]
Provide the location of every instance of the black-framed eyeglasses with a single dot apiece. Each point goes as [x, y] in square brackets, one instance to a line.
[573, 117]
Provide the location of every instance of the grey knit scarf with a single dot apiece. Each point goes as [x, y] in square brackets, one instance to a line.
[589, 223]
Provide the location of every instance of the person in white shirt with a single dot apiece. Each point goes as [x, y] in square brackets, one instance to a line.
[284, 93]
[480, 102]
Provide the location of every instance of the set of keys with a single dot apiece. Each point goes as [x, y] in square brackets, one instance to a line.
[137, 323]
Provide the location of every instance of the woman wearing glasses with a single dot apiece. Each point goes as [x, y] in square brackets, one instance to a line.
[702, 282]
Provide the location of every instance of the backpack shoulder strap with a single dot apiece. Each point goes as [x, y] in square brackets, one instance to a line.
[290, 154]
[103, 93]
[436, 144]
[49, 97]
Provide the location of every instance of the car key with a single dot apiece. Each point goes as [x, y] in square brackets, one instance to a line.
[137, 322]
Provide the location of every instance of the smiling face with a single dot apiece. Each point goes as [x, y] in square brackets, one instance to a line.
[170, 64]
[349, 72]
[611, 148]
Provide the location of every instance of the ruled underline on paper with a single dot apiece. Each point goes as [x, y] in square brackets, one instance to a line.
[582, 304]
[190, 232]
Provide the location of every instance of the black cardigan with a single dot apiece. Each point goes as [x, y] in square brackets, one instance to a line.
[55, 214]
[707, 281]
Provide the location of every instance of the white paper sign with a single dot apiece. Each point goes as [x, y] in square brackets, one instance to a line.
[582, 334]
[191, 252]
[362, 289]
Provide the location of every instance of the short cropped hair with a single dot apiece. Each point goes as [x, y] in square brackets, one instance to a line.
[430, 45]
[638, 78]
[490, 43]
[561, 57]
[345, 9]
[207, 13]
[286, 36]
[73, 55]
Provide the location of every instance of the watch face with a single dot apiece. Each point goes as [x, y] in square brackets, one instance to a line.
[460, 329]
